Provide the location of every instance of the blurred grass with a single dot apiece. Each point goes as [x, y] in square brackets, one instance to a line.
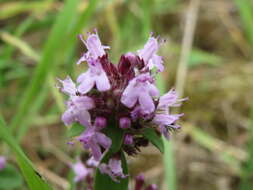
[245, 8]
[48, 58]
[50, 54]
[33, 179]
[9, 9]
[246, 183]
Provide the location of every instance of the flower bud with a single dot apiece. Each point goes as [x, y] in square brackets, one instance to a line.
[139, 182]
[128, 139]
[152, 187]
[100, 122]
[124, 123]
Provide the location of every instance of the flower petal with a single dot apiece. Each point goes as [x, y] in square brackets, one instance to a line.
[86, 85]
[83, 117]
[153, 91]
[83, 102]
[103, 140]
[84, 76]
[81, 172]
[130, 95]
[102, 82]
[68, 117]
[96, 150]
[146, 103]
[150, 48]
[68, 86]
[158, 62]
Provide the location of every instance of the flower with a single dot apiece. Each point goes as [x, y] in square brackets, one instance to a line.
[163, 118]
[2, 162]
[148, 54]
[93, 140]
[78, 107]
[122, 98]
[95, 75]
[68, 86]
[113, 169]
[81, 171]
[140, 89]
[94, 46]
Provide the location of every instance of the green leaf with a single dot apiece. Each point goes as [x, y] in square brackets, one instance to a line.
[75, 130]
[199, 57]
[104, 182]
[33, 179]
[116, 135]
[10, 178]
[154, 138]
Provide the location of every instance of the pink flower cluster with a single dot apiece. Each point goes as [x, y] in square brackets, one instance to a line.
[124, 95]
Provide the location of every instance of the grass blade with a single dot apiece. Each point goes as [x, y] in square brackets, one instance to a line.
[246, 181]
[32, 177]
[47, 60]
[245, 8]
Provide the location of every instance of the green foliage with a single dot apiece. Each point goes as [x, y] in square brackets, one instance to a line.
[48, 59]
[245, 8]
[10, 178]
[75, 130]
[154, 138]
[33, 179]
[198, 57]
[247, 168]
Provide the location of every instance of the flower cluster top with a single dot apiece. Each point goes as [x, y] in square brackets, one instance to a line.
[124, 95]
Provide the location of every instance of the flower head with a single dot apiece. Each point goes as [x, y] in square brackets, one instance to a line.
[122, 97]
